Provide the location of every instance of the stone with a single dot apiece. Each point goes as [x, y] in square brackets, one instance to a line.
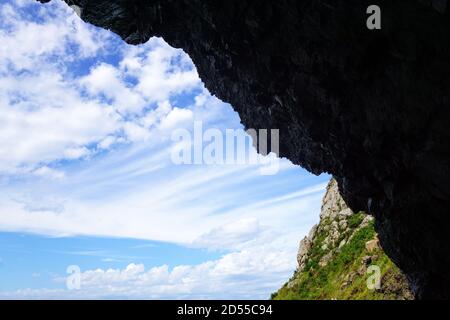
[366, 221]
[325, 259]
[373, 245]
[343, 224]
[302, 255]
[347, 212]
[366, 260]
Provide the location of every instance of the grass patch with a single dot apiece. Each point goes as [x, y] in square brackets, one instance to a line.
[342, 277]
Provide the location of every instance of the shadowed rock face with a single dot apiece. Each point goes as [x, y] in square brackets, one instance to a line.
[370, 107]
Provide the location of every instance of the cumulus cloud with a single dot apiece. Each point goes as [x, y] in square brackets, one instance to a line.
[251, 273]
[51, 111]
[161, 71]
[25, 40]
[44, 119]
[177, 118]
[106, 80]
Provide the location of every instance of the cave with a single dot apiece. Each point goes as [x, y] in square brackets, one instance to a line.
[370, 107]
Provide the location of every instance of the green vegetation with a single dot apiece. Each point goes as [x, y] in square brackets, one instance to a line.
[355, 220]
[344, 276]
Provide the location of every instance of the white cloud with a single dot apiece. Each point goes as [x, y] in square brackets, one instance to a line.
[50, 113]
[43, 113]
[158, 76]
[139, 197]
[76, 153]
[177, 118]
[24, 41]
[49, 172]
[106, 80]
[231, 234]
[155, 116]
[155, 78]
[135, 132]
[107, 142]
[252, 273]
[32, 135]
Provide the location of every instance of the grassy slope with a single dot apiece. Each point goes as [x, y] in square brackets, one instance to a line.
[332, 280]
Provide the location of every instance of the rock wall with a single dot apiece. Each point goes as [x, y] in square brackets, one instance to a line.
[336, 257]
[369, 107]
[334, 222]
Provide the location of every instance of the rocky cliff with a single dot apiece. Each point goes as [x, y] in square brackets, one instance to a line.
[340, 255]
[371, 107]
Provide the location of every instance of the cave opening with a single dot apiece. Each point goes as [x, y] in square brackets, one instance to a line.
[377, 122]
[89, 185]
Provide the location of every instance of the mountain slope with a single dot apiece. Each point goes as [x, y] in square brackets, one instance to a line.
[340, 255]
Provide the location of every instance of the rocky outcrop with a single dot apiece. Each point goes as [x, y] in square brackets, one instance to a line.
[337, 226]
[373, 245]
[336, 259]
[369, 107]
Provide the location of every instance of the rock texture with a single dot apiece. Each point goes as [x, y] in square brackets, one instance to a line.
[370, 107]
[334, 260]
[335, 226]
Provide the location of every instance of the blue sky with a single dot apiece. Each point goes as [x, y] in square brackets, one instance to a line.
[87, 178]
